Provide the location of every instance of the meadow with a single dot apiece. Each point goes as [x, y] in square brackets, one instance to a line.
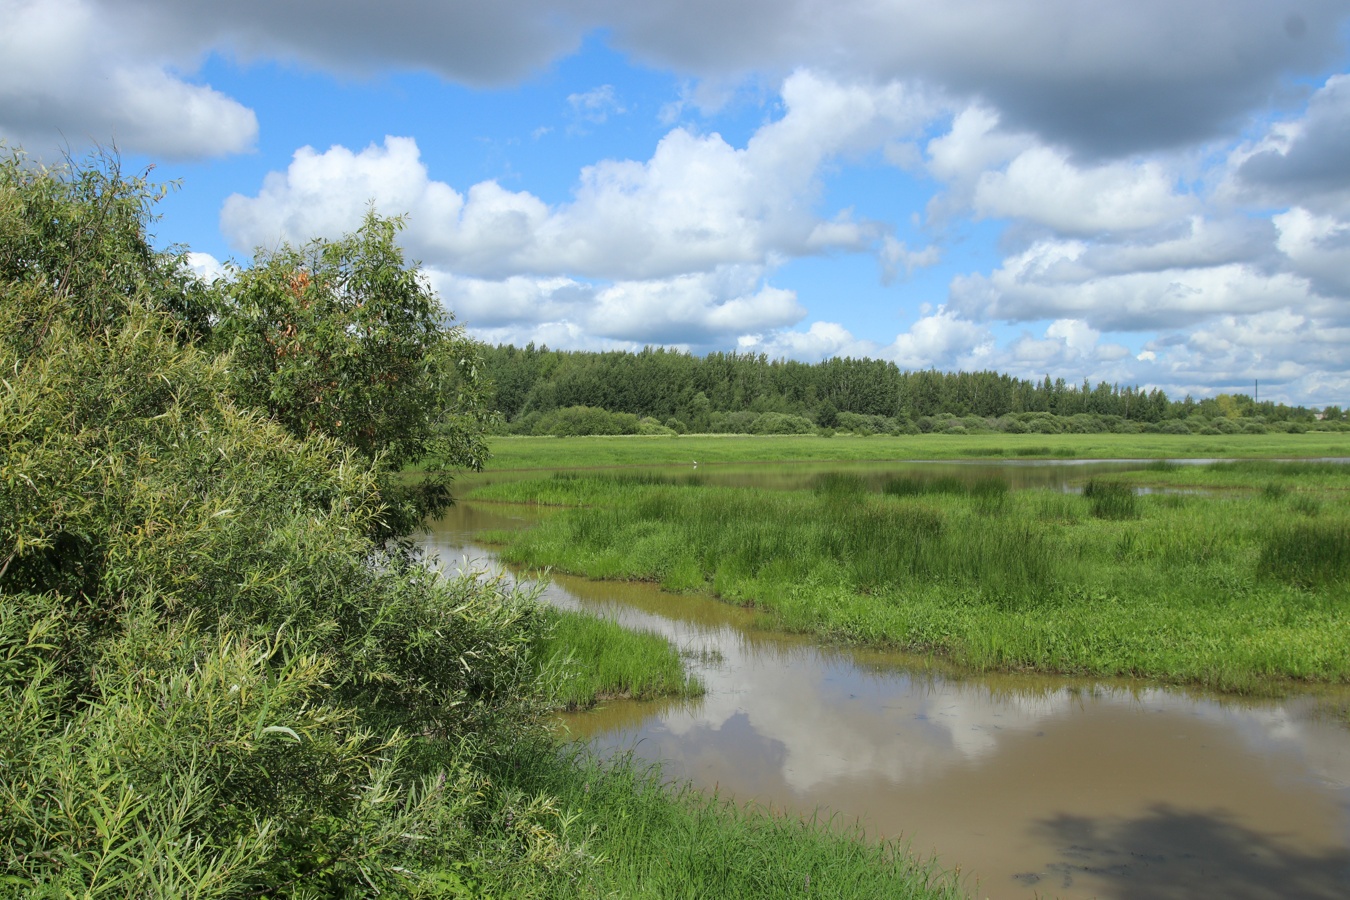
[636, 450]
[1239, 586]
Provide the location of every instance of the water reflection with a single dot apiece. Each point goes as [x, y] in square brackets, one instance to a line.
[1036, 786]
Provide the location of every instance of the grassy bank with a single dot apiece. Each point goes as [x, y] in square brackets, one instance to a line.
[589, 659]
[1227, 590]
[646, 841]
[578, 452]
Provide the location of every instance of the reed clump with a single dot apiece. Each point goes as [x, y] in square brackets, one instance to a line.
[1111, 499]
[587, 659]
[1308, 553]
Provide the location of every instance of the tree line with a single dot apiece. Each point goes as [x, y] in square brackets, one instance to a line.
[538, 390]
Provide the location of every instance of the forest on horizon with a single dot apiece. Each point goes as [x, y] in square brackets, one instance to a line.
[658, 391]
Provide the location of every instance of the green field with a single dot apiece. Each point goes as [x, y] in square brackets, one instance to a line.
[1238, 589]
[633, 450]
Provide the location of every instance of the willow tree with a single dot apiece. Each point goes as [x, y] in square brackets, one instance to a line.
[344, 338]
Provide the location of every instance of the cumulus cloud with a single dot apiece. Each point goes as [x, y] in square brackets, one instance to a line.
[1295, 355]
[1049, 280]
[696, 204]
[74, 74]
[996, 173]
[1303, 161]
[822, 340]
[941, 339]
[944, 339]
[1099, 80]
[1042, 186]
[1102, 80]
[694, 310]
[675, 249]
[205, 266]
[898, 260]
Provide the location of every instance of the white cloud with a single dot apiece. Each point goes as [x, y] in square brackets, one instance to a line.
[941, 339]
[822, 340]
[1318, 247]
[697, 203]
[74, 75]
[1296, 357]
[994, 173]
[1042, 186]
[1052, 279]
[897, 259]
[973, 145]
[596, 105]
[696, 309]
[206, 267]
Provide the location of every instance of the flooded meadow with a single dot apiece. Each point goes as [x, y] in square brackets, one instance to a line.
[1033, 786]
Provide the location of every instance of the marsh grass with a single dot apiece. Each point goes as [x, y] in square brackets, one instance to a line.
[1229, 590]
[839, 484]
[1273, 477]
[1308, 554]
[589, 659]
[1274, 490]
[1111, 499]
[1306, 505]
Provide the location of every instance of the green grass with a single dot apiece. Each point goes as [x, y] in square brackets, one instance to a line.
[1111, 499]
[592, 452]
[592, 659]
[1231, 590]
[655, 841]
[1275, 477]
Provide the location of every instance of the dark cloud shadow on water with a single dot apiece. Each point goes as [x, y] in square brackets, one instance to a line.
[1180, 855]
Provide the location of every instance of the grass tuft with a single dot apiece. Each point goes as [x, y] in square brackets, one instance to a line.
[590, 659]
[1308, 554]
[1112, 499]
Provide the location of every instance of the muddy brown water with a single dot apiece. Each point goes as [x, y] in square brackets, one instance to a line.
[1033, 786]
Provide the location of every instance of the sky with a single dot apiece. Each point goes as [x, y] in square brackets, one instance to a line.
[1153, 193]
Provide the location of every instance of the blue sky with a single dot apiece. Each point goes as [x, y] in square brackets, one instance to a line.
[1149, 193]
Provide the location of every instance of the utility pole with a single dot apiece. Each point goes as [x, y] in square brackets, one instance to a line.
[1257, 398]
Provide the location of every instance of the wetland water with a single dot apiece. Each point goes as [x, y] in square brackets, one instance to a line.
[1033, 786]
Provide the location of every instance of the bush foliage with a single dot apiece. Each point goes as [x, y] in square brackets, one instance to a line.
[216, 681]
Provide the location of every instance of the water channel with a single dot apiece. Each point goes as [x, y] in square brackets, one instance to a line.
[1034, 787]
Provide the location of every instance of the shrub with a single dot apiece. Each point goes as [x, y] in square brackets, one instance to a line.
[577, 421]
[341, 338]
[781, 423]
[216, 682]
